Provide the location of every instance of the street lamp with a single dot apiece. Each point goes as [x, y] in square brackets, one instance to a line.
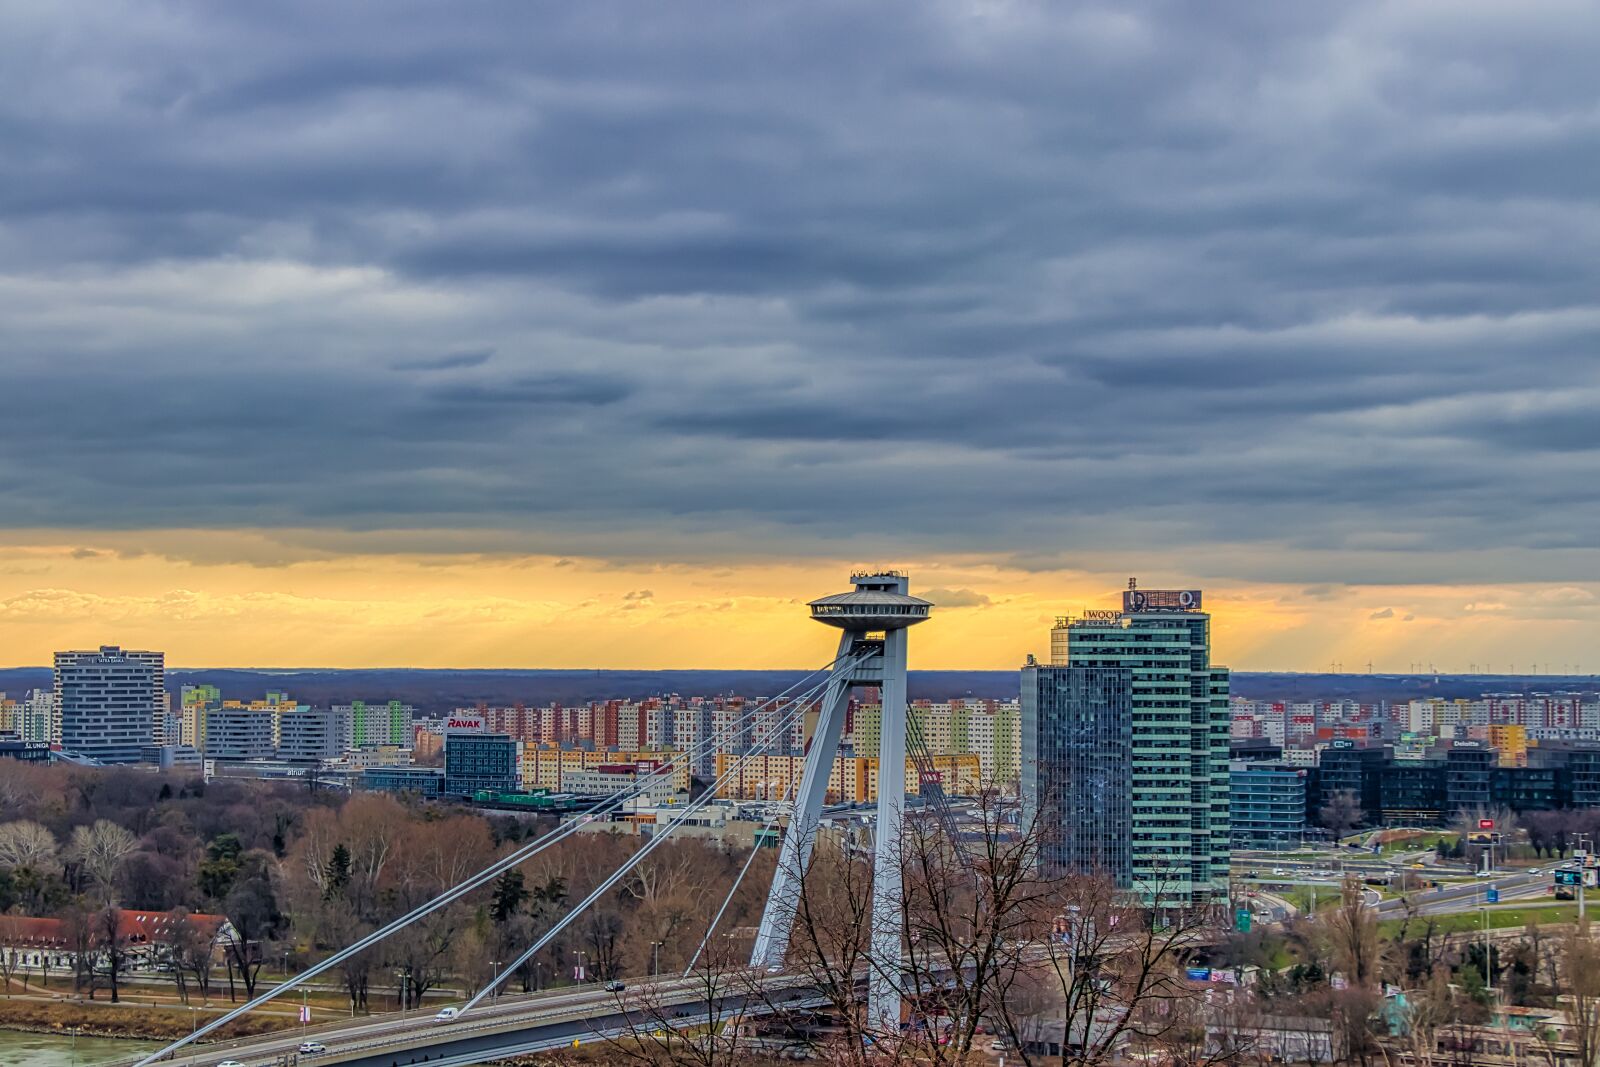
[655, 957]
[496, 965]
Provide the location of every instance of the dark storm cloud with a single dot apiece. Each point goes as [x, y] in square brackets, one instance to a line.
[1299, 292]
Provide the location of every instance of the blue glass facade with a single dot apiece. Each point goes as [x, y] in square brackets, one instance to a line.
[1267, 805]
[1077, 767]
[480, 761]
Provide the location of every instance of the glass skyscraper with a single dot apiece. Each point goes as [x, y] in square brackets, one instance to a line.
[1077, 751]
[1180, 726]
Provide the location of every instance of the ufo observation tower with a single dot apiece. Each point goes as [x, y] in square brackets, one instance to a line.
[874, 616]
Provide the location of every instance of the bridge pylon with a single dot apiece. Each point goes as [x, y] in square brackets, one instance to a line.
[874, 616]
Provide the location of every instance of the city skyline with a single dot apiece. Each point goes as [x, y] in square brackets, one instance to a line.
[380, 337]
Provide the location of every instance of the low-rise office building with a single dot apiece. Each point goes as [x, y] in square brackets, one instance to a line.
[1267, 805]
[482, 761]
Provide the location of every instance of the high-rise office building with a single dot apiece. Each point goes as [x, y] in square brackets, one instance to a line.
[1077, 758]
[107, 701]
[1180, 729]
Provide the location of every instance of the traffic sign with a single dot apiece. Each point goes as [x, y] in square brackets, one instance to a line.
[1568, 877]
[1492, 895]
[1486, 824]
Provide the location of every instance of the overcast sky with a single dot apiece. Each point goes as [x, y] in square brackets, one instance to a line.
[1291, 295]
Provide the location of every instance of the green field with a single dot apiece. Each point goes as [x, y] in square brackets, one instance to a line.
[1420, 842]
[1500, 918]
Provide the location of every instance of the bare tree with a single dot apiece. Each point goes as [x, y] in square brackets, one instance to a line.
[1354, 944]
[100, 851]
[972, 910]
[190, 953]
[111, 953]
[1118, 964]
[1428, 1009]
[666, 1029]
[1580, 973]
[25, 844]
[828, 942]
[1342, 813]
[10, 952]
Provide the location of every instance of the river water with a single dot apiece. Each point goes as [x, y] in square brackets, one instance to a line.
[53, 1050]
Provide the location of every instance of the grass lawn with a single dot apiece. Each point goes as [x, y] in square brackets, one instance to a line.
[1420, 842]
[1500, 918]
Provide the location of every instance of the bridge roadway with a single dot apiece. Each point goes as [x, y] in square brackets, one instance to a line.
[507, 1026]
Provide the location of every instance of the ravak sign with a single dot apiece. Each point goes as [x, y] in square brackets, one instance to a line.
[464, 724]
[1148, 600]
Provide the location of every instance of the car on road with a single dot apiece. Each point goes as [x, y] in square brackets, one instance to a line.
[446, 1014]
[230, 1063]
[997, 1045]
[312, 1048]
[1419, 866]
[615, 987]
[1277, 872]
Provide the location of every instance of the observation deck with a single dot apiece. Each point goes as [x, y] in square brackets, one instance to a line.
[879, 602]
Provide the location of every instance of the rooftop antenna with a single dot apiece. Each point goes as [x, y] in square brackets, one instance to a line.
[1133, 583]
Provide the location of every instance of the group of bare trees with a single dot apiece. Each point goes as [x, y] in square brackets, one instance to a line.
[1062, 968]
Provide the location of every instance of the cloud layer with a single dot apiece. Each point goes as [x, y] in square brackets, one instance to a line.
[1291, 293]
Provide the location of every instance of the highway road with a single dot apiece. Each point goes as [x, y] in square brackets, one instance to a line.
[1467, 895]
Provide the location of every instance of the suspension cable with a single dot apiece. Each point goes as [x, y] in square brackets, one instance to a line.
[799, 705]
[449, 896]
[755, 850]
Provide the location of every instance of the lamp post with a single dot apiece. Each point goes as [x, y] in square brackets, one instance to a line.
[583, 961]
[655, 957]
[496, 965]
[1582, 855]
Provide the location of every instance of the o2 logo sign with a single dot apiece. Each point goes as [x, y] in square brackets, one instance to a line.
[1172, 600]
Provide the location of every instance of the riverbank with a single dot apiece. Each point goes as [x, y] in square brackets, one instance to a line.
[99, 1019]
[62, 1050]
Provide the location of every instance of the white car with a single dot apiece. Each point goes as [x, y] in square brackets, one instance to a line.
[1277, 872]
[446, 1014]
[312, 1048]
[230, 1063]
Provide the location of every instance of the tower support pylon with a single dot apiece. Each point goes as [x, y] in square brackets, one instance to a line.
[872, 652]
